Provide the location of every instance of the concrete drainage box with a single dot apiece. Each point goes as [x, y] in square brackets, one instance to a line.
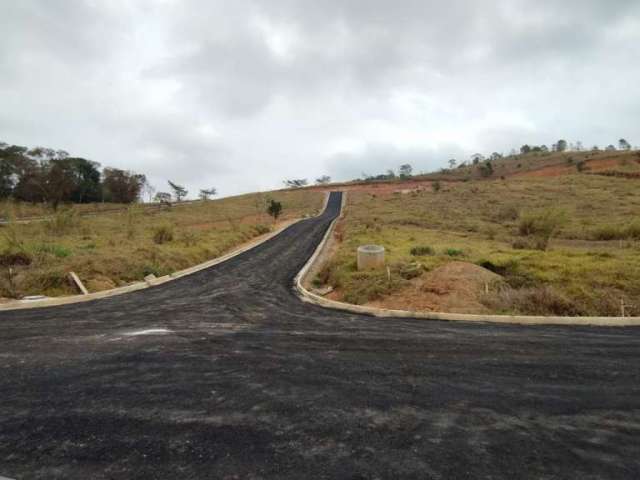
[370, 257]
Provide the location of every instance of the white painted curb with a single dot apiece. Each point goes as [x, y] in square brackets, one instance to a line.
[310, 297]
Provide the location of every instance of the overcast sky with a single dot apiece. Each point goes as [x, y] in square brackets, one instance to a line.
[242, 94]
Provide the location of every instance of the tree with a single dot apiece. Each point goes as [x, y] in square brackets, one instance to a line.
[274, 209]
[476, 158]
[405, 170]
[610, 148]
[206, 193]
[524, 149]
[86, 180]
[624, 145]
[561, 146]
[495, 156]
[452, 163]
[53, 180]
[323, 180]
[486, 169]
[178, 190]
[296, 183]
[121, 186]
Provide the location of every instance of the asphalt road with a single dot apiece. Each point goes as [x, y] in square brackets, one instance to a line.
[226, 374]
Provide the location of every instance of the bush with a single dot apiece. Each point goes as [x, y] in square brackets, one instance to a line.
[542, 300]
[507, 213]
[633, 230]
[521, 244]
[543, 225]
[61, 222]
[422, 251]
[615, 232]
[262, 229]
[454, 252]
[608, 232]
[163, 234]
[409, 271]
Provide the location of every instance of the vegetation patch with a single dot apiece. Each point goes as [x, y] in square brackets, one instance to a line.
[538, 234]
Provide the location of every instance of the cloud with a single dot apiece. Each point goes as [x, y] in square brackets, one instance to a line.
[240, 95]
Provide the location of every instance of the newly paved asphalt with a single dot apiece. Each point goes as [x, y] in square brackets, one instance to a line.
[226, 374]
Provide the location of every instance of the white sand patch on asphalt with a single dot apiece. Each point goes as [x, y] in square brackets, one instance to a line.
[151, 331]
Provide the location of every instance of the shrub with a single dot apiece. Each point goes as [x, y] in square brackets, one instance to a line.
[521, 244]
[409, 271]
[542, 225]
[615, 232]
[422, 251]
[454, 252]
[633, 230]
[541, 300]
[507, 213]
[608, 232]
[61, 222]
[262, 229]
[163, 234]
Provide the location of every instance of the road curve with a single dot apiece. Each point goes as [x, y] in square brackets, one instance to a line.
[226, 374]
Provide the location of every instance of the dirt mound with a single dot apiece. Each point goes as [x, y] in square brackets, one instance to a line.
[455, 287]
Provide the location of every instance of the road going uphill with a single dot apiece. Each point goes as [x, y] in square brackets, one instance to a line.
[227, 374]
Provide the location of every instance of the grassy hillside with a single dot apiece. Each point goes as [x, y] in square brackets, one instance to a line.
[112, 249]
[565, 245]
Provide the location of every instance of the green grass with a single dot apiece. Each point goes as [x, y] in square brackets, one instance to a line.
[113, 249]
[481, 222]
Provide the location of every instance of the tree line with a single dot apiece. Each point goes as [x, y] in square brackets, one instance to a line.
[45, 175]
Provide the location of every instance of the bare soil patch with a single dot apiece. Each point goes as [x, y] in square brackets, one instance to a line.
[455, 287]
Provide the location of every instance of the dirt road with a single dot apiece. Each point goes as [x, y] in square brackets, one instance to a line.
[226, 374]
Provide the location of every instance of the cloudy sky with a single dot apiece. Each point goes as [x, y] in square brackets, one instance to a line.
[242, 94]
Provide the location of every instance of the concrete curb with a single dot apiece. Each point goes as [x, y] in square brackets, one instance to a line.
[50, 302]
[309, 297]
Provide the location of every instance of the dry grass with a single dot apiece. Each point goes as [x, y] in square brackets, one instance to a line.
[488, 223]
[113, 249]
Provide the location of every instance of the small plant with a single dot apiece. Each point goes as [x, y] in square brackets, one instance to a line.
[542, 225]
[506, 213]
[163, 234]
[454, 252]
[422, 251]
[274, 208]
[61, 222]
[410, 271]
[262, 229]
[437, 186]
[131, 221]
